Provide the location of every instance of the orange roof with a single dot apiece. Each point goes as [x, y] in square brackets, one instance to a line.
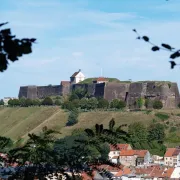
[168, 172]
[101, 79]
[64, 83]
[85, 176]
[124, 171]
[119, 147]
[139, 153]
[169, 152]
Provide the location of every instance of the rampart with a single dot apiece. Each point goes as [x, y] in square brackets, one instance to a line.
[167, 92]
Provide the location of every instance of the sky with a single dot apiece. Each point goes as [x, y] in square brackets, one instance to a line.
[90, 35]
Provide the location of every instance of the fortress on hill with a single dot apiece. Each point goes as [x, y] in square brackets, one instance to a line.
[109, 88]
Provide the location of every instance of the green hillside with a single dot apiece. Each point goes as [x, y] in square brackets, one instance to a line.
[18, 122]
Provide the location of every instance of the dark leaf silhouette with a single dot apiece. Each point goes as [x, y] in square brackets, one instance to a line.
[175, 55]
[163, 46]
[11, 48]
[172, 64]
[155, 48]
[145, 38]
[167, 46]
[2, 24]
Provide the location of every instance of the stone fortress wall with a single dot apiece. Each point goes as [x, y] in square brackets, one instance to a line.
[167, 92]
[129, 92]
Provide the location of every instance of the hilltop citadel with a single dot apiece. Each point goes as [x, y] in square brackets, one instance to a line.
[109, 88]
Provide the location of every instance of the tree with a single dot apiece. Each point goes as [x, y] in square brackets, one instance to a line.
[12, 48]
[179, 105]
[157, 104]
[73, 118]
[1, 102]
[47, 101]
[28, 102]
[156, 132]
[84, 103]
[57, 102]
[5, 144]
[103, 103]
[22, 102]
[121, 105]
[36, 102]
[92, 103]
[140, 102]
[138, 132]
[114, 103]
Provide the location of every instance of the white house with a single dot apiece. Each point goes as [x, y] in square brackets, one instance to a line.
[176, 173]
[77, 77]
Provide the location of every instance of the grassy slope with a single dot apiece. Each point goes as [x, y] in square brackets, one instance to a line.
[18, 122]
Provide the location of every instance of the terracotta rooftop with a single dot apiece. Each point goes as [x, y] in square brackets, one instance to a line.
[119, 147]
[101, 79]
[169, 152]
[124, 171]
[139, 153]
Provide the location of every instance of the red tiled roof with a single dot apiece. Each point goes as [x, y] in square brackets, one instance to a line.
[169, 152]
[168, 172]
[124, 171]
[119, 147]
[139, 153]
[101, 79]
[65, 83]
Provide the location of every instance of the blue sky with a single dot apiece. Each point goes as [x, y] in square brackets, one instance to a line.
[90, 35]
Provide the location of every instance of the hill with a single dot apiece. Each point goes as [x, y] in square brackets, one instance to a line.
[18, 122]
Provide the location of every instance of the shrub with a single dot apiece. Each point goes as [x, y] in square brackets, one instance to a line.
[73, 118]
[47, 101]
[179, 105]
[1, 102]
[162, 116]
[157, 104]
[68, 105]
[103, 103]
[172, 129]
[57, 102]
[36, 102]
[140, 102]
[114, 103]
[121, 105]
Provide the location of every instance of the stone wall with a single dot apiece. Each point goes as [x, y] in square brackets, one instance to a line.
[167, 92]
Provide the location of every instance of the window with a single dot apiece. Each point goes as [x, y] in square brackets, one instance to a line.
[170, 158]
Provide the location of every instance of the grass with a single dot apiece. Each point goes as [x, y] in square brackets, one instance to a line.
[162, 116]
[90, 80]
[17, 122]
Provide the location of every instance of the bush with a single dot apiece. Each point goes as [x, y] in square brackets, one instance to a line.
[179, 105]
[13, 102]
[172, 129]
[157, 104]
[92, 103]
[103, 103]
[68, 105]
[73, 118]
[47, 101]
[114, 103]
[121, 105]
[1, 102]
[57, 102]
[36, 102]
[140, 102]
[162, 116]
